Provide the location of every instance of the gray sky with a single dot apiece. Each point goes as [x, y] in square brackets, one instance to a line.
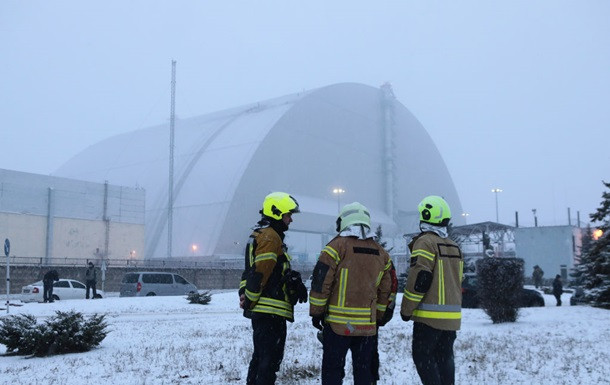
[515, 94]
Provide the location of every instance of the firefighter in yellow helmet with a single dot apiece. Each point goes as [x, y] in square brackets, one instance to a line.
[350, 291]
[432, 297]
[269, 289]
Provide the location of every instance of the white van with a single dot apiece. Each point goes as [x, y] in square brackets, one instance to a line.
[139, 284]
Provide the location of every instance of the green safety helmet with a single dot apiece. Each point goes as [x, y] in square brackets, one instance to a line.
[352, 214]
[277, 204]
[434, 210]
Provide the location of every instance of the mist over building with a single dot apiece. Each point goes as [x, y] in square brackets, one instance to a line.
[348, 136]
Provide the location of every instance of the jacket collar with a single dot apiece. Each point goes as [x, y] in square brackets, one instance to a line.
[358, 231]
[441, 231]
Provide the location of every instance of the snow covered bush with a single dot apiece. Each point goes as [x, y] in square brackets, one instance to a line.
[200, 298]
[500, 284]
[67, 332]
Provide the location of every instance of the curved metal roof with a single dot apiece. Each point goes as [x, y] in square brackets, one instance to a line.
[304, 144]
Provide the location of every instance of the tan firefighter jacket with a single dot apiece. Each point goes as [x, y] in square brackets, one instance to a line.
[351, 285]
[433, 292]
[262, 281]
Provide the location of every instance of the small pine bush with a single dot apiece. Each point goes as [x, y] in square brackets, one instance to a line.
[67, 332]
[199, 298]
[500, 281]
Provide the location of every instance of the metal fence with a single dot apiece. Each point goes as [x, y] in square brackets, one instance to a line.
[144, 263]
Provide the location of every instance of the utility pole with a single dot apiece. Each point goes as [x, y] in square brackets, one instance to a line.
[496, 191]
[170, 193]
[535, 218]
[7, 251]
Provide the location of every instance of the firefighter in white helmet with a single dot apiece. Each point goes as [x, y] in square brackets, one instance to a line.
[349, 294]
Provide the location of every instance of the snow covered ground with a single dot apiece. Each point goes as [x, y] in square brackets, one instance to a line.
[166, 340]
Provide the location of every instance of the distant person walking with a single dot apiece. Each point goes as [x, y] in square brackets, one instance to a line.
[537, 276]
[558, 289]
[47, 285]
[91, 280]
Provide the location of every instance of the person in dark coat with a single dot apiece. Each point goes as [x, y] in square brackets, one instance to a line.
[557, 289]
[47, 285]
[537, 276]
[90, 280]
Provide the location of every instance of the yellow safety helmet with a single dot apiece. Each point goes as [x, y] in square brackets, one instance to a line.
[434, 210]
[278, 203]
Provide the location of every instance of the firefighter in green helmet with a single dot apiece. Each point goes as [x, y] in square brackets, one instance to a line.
[269, 289]
[432, 298]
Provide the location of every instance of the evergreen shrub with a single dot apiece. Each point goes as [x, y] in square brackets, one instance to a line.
[199, 298]
[67, 332]
[500, 281]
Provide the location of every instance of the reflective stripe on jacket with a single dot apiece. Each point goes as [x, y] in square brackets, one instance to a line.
[433, 292]
[351, 285]
[266, 263]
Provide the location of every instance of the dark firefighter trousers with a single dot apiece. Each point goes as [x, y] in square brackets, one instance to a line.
[433, 354]
[269, 337]
[333, 359]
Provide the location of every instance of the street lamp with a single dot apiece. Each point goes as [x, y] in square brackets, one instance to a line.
[535, 218]
[496, 191]
[194, 248]
[338, 191]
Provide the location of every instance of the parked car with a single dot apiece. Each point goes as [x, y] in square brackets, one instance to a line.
[147, 283]
[62, 289]
[470, 299]
[578, 296]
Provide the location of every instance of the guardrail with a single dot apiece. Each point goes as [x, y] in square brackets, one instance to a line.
[142, 263]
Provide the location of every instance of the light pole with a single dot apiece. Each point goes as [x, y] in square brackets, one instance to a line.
[496, 191]
[465, 215]
[535, 218]
[338, 191]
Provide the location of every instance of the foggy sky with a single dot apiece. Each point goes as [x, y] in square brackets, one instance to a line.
[515, 94]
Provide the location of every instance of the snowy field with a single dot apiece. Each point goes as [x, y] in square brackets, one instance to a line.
[166, 340]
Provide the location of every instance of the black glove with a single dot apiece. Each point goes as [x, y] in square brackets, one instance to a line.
[405, 318]
[292, 278]
[296, 289]
[318, 321]
[302, 293]
[387, 315]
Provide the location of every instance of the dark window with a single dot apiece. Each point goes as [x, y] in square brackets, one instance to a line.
[180, 280]
[77, 285]
[130, 278]
[61, 284]
[157, 278]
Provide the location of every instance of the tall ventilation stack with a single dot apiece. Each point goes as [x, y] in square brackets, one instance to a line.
[387, 106]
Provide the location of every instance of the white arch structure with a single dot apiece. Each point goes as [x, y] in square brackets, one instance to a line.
[347, 135]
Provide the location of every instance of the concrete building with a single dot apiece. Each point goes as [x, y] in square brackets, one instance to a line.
[351, 137]
[48, 219]
[556, 249]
